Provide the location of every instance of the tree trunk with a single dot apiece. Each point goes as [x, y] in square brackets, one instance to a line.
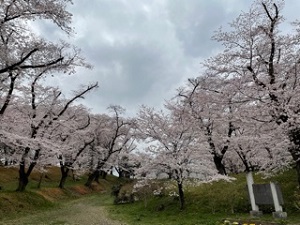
[120, 172]
[62, 181]
[97, 175]
[243, 157]
[40, 180]
[91, 178]
[73, 176]
[64, 175]
[23, 179]
[94, 174]
[219, 165]
[294, 136]
[181, 195]
[23, 176]
[298, 172]
[104, 174]
[295, 152]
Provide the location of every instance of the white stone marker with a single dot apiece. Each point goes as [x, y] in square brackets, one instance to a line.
[278, 208]
[255, 210]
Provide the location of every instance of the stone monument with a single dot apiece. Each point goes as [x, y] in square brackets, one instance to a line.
[265, 194]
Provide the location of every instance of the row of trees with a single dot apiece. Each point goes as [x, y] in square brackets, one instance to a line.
[39, 126]
[30, 111]
[241, 114]
[259, 69]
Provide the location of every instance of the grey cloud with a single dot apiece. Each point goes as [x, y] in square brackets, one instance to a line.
[143, 50]
[195, 22]
[134, 54]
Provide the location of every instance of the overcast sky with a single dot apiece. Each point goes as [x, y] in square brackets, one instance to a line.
[143, 50]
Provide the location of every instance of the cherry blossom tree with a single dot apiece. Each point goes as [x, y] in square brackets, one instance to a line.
[126, 163]
[175, 147]
[23, 53]
[212, 104]
[253, 145]
[225, 117]
[73, 132]
[112, 135]
[266, 61]
[25, 60]
[33, 134]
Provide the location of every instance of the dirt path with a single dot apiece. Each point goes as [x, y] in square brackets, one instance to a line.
[85, 211]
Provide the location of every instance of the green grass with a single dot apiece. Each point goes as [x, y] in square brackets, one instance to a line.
[210, 204]
[205, 204]
[88, 210]
[13, 205]
[49, 197]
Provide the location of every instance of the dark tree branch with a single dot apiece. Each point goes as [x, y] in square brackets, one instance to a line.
[89, 88]
[17, 65]
[9, 94]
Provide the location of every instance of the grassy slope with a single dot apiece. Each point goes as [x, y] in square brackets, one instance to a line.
[14, 204]
[205, 204]
[210, 204]
[84, 211]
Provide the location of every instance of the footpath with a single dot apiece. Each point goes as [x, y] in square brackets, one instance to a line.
[84, 211]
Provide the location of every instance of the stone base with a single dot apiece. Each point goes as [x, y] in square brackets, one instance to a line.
[256, 213]
[279, 215]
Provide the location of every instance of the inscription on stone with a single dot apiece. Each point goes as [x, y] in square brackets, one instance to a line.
[263, 194]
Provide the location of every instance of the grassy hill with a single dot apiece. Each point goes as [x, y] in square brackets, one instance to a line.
[205, 204]
[14, 204]
[212, 203]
